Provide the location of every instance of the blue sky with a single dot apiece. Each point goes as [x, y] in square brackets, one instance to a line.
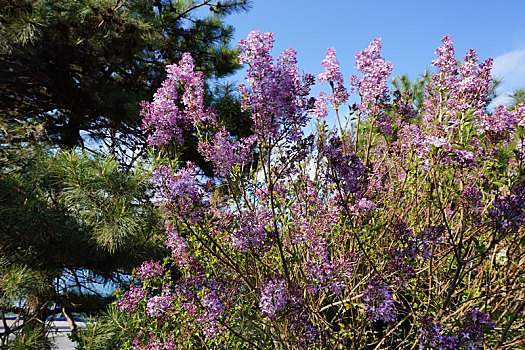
[411, 31]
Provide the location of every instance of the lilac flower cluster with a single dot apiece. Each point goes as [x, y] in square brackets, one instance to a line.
[158, 305]
[278, 96]
[328, 273]
[432, 336]
[331, 66]
[435, 149]
[251, 229]
[313, 222]
[162, 117]
[469, 336]
[376, 70]
[178, 246]
[378, 303]
[193, 96]
[320, 110]
[225, 154]
[474, 83]
[149, 270]
[278, 300]
[213, 309]
[204, 301]
[180, 192]
[508, 213]
[333, 76]
[520, 114]
[499, 126]
[131, 299]
[409, 247]
[473, 326]
[455, 90]
[347, 172]
[362, 207]
[471, 198]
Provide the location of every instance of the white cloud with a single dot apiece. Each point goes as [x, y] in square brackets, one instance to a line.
[510, 67]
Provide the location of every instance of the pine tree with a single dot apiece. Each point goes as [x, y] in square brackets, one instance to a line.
[69, 220]
[80, 68]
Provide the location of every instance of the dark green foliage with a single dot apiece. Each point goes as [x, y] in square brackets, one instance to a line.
[72, 73]
[69, 220]
[80, 67]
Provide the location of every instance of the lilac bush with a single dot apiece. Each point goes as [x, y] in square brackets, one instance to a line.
[403, 230]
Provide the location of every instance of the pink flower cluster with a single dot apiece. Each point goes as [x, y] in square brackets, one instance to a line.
[224, 153]
[180, 192]
[162, 118]
[149, 270]
[376, 70]
[333, 76]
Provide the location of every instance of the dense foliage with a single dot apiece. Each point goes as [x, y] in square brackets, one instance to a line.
[72, 74]
[69, 221]
[80, 68]
[404, 230]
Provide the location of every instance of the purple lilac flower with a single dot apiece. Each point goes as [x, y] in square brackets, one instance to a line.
[473, 83]
[275, 298]
[333, 76]
[251, 230]
[455, 90]
[162, 117]
[180, 192]
[520, 112]
[376, 70]
[313, 221]
[446, 63]
[320, 111]
[443, 152]
[149, 270]
[471, 197]
[499, 126]
[278, 95]
[363, 207]
[278, 298]
[409, 247]
[508, 213]
[213, 309]
[225, 154]
[379, 304]
[384, 123]
[157, 306]
[520, 148]
[131, 298]
[469, 336]
[325, 273]
[432, 336]
[346, 171]
[178, 246]
[473, 325]
[204, 300]
[193, 85]
[154, 343]
[331, 66]
[402, 107]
